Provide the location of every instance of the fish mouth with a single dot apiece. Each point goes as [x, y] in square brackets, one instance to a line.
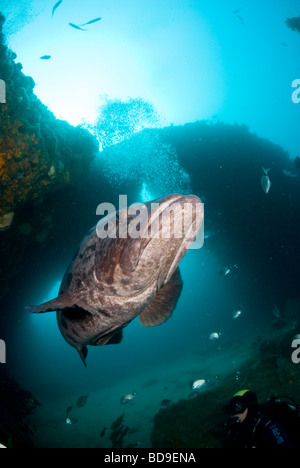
[175, 218]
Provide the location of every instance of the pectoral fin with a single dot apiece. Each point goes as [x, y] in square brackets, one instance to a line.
[161, 308]
[63, 302]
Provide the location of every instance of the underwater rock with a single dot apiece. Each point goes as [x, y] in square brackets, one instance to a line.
[118, 422]
[202, 422]
[119, 430]
[34, 144]
[38, 153]
[6, 221]
[16, 408]
[166, 402]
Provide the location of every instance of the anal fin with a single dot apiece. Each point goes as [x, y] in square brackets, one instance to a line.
[162, 307]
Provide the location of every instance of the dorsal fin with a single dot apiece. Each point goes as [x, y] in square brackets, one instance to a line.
[63, 302]
[161, 308]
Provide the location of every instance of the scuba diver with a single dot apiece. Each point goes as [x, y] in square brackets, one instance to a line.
[275, 424]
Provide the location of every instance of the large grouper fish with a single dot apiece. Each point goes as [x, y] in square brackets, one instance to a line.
[112, 280]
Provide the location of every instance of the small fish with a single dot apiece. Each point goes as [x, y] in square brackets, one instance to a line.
[265, 181]
[2, 446]
[237, 313]
[127, 398]
[227, 270]
[81, 401]
[45, 57]
[71, 421]
[289, 173]
[208, 234]
[91, 22]
[76, 27]
[214, 336]
[197, 384]
[56, 6]
[241, 20]
[103, 432]
[69, 409]
[276, 312]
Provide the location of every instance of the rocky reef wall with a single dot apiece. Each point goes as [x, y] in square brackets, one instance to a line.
[44, 166]
[38, 153]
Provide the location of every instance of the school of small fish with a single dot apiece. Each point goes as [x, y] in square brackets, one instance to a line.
[72, 25]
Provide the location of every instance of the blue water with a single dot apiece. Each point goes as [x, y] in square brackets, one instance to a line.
[193, 60]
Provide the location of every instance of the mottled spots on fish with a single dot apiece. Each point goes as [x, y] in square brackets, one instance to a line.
[103, 312]
[92, 248]
[69, 337]
[110, 282]
[73, 330]
[64, 324]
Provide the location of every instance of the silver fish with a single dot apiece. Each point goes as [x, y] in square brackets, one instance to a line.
[111, 281]
[46, 57]
[197, 384]
[127, 398]
[214, 336]
[71, 421]
[265, 181]
[237, 313]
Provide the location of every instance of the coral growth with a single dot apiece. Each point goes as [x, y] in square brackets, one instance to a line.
[38, 153]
